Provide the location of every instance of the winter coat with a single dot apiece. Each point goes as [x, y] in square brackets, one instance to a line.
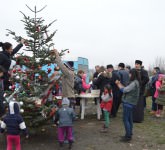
[158, 85]
[161, 97]
[2, 109]
[84, 84]
[67, 79]
[131, 93]
[13, 121]
[102, 80]
[144, 80]
[78, 85]
[65, 116]
[106, 103]
[124, 77]
[5, 62]
[5, 57]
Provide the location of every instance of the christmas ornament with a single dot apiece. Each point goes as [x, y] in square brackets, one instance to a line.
[49, 70]
[14, 71]
[22, 111]
[21, 103]
[17, 77]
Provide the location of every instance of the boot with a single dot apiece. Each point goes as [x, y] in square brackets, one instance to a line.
[70, 145]
[104, 130]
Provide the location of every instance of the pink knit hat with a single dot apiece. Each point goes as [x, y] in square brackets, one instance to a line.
[161, 75]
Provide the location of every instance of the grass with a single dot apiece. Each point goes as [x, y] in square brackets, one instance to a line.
[153, 128]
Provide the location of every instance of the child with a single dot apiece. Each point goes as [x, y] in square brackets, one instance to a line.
[65, 116]
[106, 105]
[159, 85]
[84, 84]
[13, 122]
[2, 109]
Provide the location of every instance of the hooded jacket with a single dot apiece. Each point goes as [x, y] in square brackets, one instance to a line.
[13, 121]
[67, 79]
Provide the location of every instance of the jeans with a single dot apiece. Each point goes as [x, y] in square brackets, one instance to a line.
[154, 105]
[13, 140]
[128, 119]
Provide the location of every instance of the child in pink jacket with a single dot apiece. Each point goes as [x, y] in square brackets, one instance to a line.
[84, 84]
[158, 85]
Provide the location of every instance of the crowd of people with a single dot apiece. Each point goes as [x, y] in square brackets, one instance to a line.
[124, 85]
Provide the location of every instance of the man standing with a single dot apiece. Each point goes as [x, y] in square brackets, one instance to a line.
[67, 77]
[138, 113]
[124, 80]
[115, 90]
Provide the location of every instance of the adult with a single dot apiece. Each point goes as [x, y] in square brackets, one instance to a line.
[124, 80]
[2, 99]
[123, 74]
[138, 113]
[102, 80]
[96, 72]
[115, 90]
[130, 99]
[67, 77]
[6, 58]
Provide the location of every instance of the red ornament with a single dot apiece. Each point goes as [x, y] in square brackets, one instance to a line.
[13, 87]
[28, 84]
[14, 71]
[37, 28]
[19, 70]
[49, 70]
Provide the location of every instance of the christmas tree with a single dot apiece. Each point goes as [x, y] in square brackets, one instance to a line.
[29, 80]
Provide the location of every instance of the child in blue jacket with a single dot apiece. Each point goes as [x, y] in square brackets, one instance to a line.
[13, 123]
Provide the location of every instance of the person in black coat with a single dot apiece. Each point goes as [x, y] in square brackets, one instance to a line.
[5, 59]
[138, 113]
[2, 108]
[115, 90]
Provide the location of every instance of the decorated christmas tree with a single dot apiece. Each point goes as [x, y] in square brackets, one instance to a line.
[29, 80]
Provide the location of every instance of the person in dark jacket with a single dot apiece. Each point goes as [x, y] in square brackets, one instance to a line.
[13, 122]
[5, 59]
[138, 113]
[115, 90]
[97, 72]
[78, 86]
[2, 108]
[124, 79]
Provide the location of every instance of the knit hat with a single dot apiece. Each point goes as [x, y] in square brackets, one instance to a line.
[122, 65]
[65, 101]
[138, 62]
[69, 64]
[109, 66]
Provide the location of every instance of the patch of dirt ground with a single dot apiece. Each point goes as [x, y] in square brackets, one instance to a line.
[149, 135]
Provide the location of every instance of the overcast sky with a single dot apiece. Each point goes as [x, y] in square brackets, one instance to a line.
[104, 31]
